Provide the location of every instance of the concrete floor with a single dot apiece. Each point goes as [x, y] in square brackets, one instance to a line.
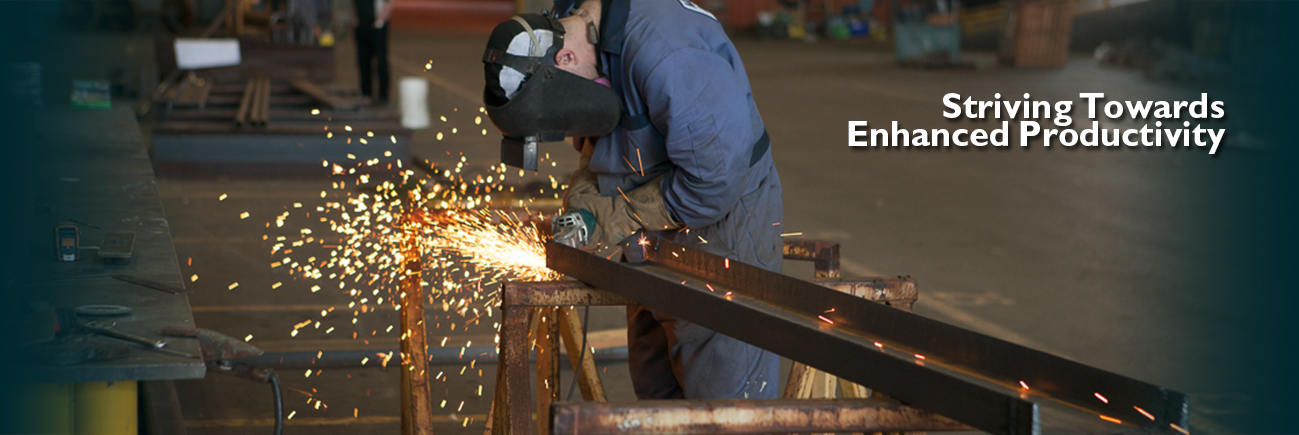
[1088, 254]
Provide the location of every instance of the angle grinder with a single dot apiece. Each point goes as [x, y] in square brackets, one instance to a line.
[573, 228]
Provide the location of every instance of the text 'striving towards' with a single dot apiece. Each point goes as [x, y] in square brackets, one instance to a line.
[1169, 129]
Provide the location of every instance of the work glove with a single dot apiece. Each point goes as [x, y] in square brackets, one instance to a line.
[615, 217]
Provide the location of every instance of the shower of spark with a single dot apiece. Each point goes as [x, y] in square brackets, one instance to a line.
[494, 241]
[464, 243]
[472, 232]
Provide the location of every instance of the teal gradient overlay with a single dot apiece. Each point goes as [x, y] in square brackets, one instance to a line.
[1259, 223]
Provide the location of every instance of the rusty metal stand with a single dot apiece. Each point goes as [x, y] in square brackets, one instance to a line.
[744, 417]
[802, 380]
[416, 399]
[546, 341]
[536, 309]
[539, 324]
[588, 381]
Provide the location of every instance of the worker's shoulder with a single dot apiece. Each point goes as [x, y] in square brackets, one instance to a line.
[664, 26]
[676, 11]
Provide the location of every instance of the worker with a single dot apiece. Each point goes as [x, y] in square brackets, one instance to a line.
[372, 47]
[689, 160]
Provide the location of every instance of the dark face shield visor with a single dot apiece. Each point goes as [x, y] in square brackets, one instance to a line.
[552, 103]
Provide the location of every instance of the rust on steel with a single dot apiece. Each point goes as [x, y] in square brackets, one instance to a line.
[744, 417]
[558, 293]
[417, 401]
[547, 339]
[514, 415]
[897, 291]
[877, 289]
[823, 254]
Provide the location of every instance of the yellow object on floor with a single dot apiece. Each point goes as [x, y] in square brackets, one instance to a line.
[81, 408]
[106, 408]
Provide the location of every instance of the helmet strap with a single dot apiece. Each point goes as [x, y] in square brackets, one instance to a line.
[536, 45]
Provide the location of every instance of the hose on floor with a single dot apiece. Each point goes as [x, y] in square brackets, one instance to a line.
[279, 402]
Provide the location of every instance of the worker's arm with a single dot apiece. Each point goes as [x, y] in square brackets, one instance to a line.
[695, 99]
[698, 102]
[614, 218]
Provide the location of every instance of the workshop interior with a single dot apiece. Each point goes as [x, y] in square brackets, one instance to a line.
[643, 217]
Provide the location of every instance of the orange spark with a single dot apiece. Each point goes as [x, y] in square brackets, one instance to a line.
[624, 195]
[629, 166]
[639, 161]
[1111, 419]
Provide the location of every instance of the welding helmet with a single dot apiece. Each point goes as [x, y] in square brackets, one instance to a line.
[527, 96]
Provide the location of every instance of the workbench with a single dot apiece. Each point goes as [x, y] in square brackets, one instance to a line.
[94, 169]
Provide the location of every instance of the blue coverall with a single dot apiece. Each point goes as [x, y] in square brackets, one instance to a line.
[689, 113]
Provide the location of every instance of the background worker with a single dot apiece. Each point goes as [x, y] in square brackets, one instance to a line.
[689, 159]
[372, 47]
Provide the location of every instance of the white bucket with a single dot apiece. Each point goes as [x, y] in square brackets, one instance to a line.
[193, 53]
[414, 103]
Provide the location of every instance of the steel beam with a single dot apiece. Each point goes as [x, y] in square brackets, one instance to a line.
[892, 291]
[744, 417]
[970, 377]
